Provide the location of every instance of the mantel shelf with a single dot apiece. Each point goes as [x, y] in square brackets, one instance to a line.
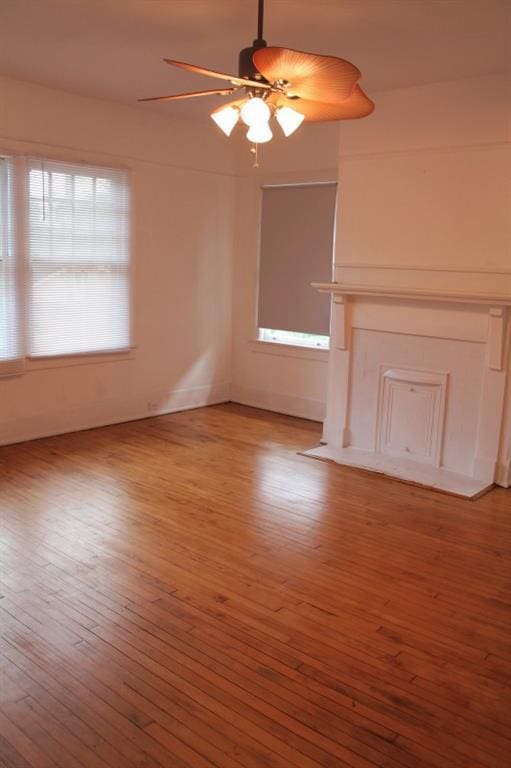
[345, 289]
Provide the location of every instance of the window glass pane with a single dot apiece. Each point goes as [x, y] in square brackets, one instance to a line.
[79, 310]
[60, 185]
[312, 340]
[79, 257]
[83, 188]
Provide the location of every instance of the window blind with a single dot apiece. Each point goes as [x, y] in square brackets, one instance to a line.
[78, 259]
[297, 234]
[11, 360]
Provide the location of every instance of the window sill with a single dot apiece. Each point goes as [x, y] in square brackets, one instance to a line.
[87, 358]
[288, 350]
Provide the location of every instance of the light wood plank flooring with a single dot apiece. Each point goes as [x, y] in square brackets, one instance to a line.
[188, 592]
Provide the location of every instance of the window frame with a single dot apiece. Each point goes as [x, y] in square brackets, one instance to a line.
[20, 204]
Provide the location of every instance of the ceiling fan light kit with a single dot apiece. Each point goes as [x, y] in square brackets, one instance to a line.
[288, 119]
[226, 119]
[260, 134]
[255, 111]
[291, 86]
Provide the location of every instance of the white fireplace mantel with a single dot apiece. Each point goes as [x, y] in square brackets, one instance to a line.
[462, 297]
[416, 384]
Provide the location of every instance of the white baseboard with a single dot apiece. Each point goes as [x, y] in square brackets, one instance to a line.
[498, 472]
[304, 408]
[114, 411]
[484, 468]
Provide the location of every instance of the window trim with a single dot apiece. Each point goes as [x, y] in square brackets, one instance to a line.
[41, 363]
[288, 350]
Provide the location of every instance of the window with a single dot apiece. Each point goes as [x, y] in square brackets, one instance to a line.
[67, 291]
[78, 297]
[10, 348]
[297, 239]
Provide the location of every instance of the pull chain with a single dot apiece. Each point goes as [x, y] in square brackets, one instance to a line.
[255, 151]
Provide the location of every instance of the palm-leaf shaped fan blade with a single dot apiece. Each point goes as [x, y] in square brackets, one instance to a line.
[355, 106]
[310, 76]
[191, 95]
[234, 79]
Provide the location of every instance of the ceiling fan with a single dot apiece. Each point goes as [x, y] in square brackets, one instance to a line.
[291, 85]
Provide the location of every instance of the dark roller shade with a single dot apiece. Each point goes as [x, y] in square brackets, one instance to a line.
[297, 238]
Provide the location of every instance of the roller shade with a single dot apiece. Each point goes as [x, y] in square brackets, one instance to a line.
[11, 360]
[78, 259]
[297, 238]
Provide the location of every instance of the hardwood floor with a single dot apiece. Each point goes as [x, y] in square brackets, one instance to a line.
[187, 592]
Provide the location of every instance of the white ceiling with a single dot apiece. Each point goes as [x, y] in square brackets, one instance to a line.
[113, 49]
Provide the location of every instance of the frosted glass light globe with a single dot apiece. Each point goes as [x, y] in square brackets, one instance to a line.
[289, 119]
[259, 134]
[255, 111]
[226, 119]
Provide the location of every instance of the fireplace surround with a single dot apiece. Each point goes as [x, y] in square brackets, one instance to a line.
[417, 383]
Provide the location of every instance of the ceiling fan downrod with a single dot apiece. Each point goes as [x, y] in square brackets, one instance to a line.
[247, 68]
[260, 42]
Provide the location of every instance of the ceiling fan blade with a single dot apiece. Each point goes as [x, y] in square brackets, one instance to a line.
[355, 106]
[191, 95]
[235, 104]
[234, 79]
[311, 76]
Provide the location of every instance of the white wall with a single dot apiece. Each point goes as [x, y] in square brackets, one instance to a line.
[182, 240]
[425, 184]
[423, 188]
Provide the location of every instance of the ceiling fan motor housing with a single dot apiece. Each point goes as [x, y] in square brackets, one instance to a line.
[247, 68]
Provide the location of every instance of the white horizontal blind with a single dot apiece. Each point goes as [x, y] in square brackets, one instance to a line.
[11, 360]
[78, 246]
[297, 239]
